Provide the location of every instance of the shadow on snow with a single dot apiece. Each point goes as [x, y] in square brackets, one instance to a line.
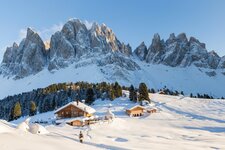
[104, 146]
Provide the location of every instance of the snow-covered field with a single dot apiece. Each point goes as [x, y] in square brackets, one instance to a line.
[189, 79]
[181, 123]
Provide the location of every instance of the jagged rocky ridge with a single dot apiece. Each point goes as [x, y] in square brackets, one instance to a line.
[179, 51]
[76, 42]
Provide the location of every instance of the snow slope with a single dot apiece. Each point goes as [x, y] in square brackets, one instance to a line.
[181, 123]
[189, 79]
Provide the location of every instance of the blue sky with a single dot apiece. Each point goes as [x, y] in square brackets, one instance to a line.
[133, 21]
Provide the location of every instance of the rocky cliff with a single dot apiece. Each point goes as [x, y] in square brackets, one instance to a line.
[73, 42]
[179, 51]
[76, 43]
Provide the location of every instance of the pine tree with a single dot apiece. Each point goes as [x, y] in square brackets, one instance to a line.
[111, 94]
[152, 90]
[33, 108]
[198, 95]
[54, 104]
[17, 111]
[117, 89]
[89, 96]
[133, 94]
[131, 91]
[143, 92]
[182, 93]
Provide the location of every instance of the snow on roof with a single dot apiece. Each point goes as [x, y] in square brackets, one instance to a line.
[151, 108]
[77, 118]
[79, 105]
[136, 107]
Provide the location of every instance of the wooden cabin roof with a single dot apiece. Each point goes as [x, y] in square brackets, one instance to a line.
[79, 105]
[137, 106]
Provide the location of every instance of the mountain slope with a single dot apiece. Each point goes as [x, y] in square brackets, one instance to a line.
[186, 122]
[94, 54]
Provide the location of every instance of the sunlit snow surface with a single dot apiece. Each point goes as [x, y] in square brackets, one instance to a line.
[181, 123]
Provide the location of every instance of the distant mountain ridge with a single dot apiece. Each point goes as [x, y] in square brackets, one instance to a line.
[78, 47]
[179, 51]
[75, 40]
[66, 46]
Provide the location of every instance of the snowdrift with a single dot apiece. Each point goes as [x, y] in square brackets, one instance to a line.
[23, 127]
[37, 129]
[5, 127]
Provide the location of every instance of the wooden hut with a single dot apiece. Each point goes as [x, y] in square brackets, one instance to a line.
[79, 121]
[135, 111]
[74, 109]
[153, 110]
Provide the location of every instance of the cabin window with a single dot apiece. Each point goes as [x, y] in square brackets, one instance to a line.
[62, 113]
[67, 113]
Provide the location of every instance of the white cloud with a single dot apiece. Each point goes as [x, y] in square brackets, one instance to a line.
[45, 33]
[22, 34]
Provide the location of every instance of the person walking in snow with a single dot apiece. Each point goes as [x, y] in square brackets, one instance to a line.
[81, 137]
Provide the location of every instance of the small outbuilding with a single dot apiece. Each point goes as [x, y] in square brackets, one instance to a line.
[135, 111]
[152, 110]
[80, 121]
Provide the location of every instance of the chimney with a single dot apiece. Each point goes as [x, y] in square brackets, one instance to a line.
[77, 102]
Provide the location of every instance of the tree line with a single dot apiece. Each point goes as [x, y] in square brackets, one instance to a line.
[56, 95]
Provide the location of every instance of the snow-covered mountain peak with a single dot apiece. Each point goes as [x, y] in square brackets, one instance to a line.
[79, 46]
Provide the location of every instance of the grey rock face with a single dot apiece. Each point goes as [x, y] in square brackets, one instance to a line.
[179, 51]
[66, 47]
[141, 51]
[156, 50]
[211, 73]
[213, 60]
[76, 42]
[61, 47]
[10, 54]
[222, 63]
[61, 51]
[85, 41]
[29, 58]
[119, 60]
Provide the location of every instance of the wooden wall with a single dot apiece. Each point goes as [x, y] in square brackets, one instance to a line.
[135, 111]
[70, 112]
